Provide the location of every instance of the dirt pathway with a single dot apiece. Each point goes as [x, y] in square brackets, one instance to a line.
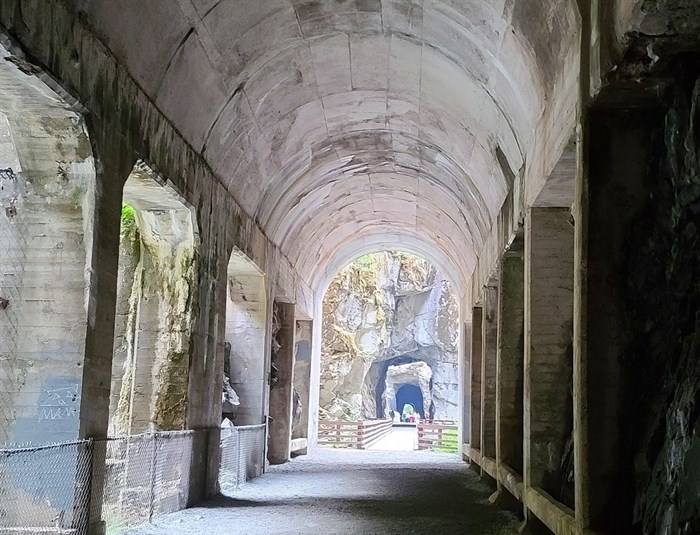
[350, 492]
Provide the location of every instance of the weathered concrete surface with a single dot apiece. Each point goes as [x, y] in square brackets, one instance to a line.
[155, 309]
[477, 354]
[248, 331]
[281, 392]
[339, 492]
[510, 360]
[618, 189]
[358, 123]
[549, 309]
[302, 377]
[489, 357]
[45, 237]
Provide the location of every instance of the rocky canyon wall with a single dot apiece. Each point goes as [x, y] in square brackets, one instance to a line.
[387, 309]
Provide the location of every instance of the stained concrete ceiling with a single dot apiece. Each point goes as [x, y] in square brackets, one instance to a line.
[346, 126]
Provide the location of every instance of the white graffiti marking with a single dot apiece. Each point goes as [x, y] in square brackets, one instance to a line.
[59, 403]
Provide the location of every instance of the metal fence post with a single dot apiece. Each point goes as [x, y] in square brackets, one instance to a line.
[152, 497]
[241, 463]
[266, 443]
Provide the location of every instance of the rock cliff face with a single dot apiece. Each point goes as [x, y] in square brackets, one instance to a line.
[384, 311]
[664, 298]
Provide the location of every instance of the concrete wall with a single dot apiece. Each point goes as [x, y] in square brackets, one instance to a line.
[549, 296]
[282, 391]
[45, 206]
[125, 125]
[510, 360]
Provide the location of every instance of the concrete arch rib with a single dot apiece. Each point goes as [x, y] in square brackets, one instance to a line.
[322, 272]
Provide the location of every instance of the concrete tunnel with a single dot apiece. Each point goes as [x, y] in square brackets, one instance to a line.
[179, 176]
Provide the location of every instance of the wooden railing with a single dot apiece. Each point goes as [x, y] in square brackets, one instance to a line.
[359, 435]
[438, 435]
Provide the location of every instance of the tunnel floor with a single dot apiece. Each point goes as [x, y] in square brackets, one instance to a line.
[350, 492]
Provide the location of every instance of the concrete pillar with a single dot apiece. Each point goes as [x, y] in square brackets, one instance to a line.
[549, 308]
[315, 380]
[612, 190]
[302, 377]
[465, 386]
[489, 339]
[475, 378]
[510, 360]
[99, 340]
[281, 393]
[46, 202]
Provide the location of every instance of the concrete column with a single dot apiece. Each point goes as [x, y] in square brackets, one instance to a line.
[475, 377]
[302, 378]
[465, 384]
[315, 380]
[549, 308]
[510, 360]
[281, 393]
[99, 340]
[489, 339]
[611, 192]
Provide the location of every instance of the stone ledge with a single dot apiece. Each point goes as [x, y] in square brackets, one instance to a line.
[560, 519]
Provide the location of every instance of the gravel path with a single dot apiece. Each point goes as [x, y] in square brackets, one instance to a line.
[349, 492]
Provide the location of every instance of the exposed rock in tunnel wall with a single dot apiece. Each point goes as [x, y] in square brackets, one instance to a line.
[664, 299]
[154, 308]
[129, 284]
[383, 307]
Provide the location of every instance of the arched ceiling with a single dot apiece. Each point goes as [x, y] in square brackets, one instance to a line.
[345, 125]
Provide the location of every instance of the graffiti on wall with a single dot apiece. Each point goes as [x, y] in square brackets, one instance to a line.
[59, 403]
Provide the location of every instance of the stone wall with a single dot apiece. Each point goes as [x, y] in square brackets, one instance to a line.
[662, 302]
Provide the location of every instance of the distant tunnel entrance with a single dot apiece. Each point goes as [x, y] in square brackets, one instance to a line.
[410, 394]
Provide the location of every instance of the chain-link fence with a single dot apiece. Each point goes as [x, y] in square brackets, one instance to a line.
[14, 233]
[145, 476]
[45, 489]
[242, 455]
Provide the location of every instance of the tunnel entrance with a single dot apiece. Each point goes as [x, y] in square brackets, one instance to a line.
[410, 394]
[400, 372]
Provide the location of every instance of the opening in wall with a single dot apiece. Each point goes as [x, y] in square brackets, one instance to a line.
[245, 376]
[155, 306]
